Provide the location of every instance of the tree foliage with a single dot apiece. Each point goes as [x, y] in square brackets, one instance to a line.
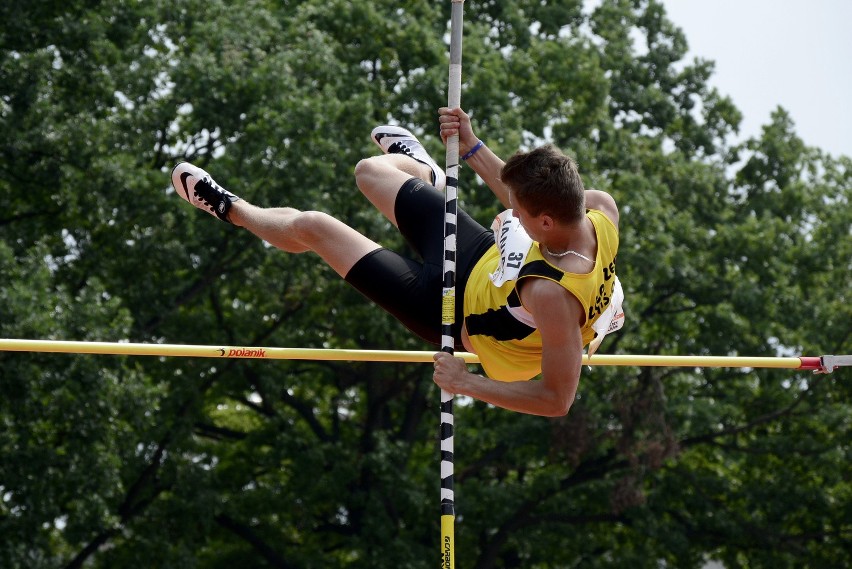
[158, 462]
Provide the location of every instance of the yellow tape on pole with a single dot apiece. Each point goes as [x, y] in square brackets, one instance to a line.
[448, 546]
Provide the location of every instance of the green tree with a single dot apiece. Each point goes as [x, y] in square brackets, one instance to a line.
[116, 461]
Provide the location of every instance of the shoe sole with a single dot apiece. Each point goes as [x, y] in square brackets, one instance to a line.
[382, 132]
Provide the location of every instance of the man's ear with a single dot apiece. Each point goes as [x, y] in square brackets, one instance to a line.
[547, 222]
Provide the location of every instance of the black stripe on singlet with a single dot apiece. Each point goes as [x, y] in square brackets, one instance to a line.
[541, 269]
[499, 324]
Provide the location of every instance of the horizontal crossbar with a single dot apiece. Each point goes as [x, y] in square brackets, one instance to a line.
[336, 354]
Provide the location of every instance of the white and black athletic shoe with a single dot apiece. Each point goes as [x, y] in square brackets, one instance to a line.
[397, 140]
[198, 188]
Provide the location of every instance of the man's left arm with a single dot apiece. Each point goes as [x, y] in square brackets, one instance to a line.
[557, 316]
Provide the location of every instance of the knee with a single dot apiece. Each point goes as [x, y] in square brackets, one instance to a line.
[309, 225]
[367, 169]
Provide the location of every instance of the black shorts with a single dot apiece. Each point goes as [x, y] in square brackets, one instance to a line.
[408, 289]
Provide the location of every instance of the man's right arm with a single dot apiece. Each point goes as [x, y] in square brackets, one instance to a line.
[484, 162]
[488, 166]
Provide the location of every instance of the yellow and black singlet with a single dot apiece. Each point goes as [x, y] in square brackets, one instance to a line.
[503, 333]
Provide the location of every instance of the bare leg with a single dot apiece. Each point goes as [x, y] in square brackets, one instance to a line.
[379, 178]
[296, 231]
[340, 246]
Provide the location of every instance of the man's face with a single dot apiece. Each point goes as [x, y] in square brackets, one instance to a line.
[528, 222]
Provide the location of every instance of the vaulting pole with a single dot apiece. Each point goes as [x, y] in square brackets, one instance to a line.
[448, 305]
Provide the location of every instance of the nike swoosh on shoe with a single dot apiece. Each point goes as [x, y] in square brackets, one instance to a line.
[183, 178]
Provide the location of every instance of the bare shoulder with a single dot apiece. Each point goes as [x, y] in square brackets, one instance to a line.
[596, 199]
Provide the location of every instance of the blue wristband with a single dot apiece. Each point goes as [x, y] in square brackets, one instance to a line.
[473, 150]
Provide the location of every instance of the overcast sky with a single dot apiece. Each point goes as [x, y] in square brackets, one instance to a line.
[792, 53]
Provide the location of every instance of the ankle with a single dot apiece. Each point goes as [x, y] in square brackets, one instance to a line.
[236, 214]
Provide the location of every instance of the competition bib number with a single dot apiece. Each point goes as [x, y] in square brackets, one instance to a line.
[513, 243]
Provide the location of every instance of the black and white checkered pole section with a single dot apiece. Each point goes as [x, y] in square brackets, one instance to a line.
[448, 305]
